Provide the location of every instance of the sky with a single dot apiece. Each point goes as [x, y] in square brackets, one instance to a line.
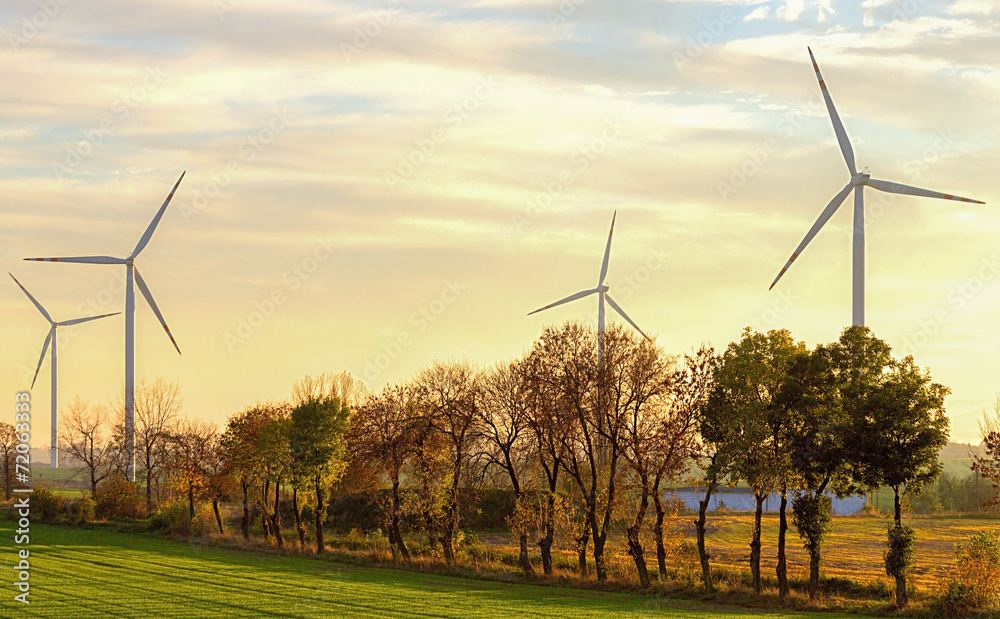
[371, 186]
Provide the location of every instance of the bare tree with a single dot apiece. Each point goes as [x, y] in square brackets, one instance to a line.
[85, 434]
[381, 432]
[549, 428]
[157, 407]
[505, 433]
[593, 449]
[677, 442]
[986, 461]
[8, 441]
[342, 386]
[640, 382]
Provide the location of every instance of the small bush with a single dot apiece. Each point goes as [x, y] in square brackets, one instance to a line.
[85, 509]
[46, 506]
[975, 582]
[118, 498]
[172, 518]
[899, 550]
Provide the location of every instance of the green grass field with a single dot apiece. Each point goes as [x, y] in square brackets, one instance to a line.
[85, 573]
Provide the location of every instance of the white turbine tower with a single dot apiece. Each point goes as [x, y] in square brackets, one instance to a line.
[857, 183]
[132, 274]
[602, 292]
[53, 337]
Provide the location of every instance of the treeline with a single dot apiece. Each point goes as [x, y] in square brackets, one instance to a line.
[585, 435]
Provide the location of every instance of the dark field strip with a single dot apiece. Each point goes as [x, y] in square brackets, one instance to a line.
[94, 573]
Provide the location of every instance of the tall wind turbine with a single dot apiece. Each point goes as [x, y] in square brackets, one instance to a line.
[602, 292]
[857, 183]
[53, 337]
[132, 275]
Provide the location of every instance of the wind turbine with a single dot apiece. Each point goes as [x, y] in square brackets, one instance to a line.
[54, 338]
[857, 184]
[132, 275]
[602, 292]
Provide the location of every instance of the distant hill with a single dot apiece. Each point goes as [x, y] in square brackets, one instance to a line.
[956, 459]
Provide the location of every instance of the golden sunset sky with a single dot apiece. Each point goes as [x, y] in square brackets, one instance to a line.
[374, 185]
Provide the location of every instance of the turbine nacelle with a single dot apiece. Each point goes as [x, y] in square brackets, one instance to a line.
[861, 178]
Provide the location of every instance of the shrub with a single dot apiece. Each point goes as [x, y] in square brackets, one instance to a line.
[899, 550]
[116, 498]
[975, 579]
[173, 518]
[46, 506]
[84, 509]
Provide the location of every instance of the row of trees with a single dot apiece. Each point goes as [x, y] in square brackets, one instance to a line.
[838, 419]
[585, 441]
[560, 425]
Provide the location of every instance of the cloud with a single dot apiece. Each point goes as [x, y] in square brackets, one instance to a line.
[761, 12]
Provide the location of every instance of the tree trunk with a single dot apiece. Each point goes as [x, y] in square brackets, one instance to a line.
[897, 507]
[901, 600]
[581, 553]
[814, 555]
[635, 543]
[661, 550]
[524, 560]
[396, 536]
[782, 568]
[298, 517]
[320, 514]
[191, 501]
[218, 517]
[600, 566]
[706, 568]
[545, 544]
[276, 515]
[447, 546]
[149, 491]
[755, 544]
[245, 522]
[264, 509]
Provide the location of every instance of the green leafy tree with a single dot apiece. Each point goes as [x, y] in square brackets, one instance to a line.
[317, 448]
[819, 454]
[240, 442]
[747, 386]
[898, 426]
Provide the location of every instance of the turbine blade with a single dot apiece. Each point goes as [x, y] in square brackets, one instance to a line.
[45, 349]
[622, 313]
[828, 212]
[890, 187]
[572, 297]
[607, 252]
[82, 260]
[33, 300]
[838, 126]
[152, 304]
[148, 234]
[77, 321]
